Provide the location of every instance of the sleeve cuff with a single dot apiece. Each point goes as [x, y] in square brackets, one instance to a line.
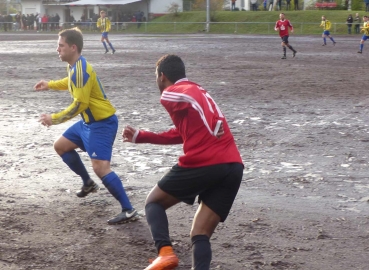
[134, 138]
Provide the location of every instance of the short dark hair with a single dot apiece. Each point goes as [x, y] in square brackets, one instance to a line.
[73, 36]
[172, 67]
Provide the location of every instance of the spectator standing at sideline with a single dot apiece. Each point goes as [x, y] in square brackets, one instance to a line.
[357, 23]
[9, 20]
[279, 5]
[296, 2]
[288, 4]
[349, 22]
[233, 6]
[44, 21]
[253, 5]
[270, 7]
[2, 21]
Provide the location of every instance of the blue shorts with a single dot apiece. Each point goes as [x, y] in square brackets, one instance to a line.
[95, 138]
[104, 34]
[364, 37]
[326, 32]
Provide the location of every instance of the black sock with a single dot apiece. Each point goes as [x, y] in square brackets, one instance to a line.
[284, 50]
[201, 252]
[158, 223]
[291, 48]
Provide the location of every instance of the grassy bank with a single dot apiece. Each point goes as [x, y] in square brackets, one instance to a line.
[244, 22]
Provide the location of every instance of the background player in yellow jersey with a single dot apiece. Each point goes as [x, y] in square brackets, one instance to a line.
[103, 23]
[365, 30]
[326, 26]
[97, 130]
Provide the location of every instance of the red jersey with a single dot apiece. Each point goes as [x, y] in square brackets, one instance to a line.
[283, 27]
[197, 120]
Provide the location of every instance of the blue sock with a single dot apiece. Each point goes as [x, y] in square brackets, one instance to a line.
[111, 46]
[325, 40]
[112, 182]
[361, 47]
[332, 39]
[74, 162]
[106, 48]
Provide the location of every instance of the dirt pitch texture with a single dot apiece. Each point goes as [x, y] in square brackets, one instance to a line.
[301, 126]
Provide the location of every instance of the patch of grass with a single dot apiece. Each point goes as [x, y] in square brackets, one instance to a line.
[244, 22]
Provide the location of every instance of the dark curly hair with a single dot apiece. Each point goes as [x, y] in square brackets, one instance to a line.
[172, 67]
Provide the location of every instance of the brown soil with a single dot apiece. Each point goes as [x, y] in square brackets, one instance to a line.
[301, 126]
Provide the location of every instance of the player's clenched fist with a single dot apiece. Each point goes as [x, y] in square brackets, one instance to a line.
[128, 134]
[41, 85]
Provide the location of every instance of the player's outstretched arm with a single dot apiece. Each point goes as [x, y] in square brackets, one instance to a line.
[128, 134]
[41, 85]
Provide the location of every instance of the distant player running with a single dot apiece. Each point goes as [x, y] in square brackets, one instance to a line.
[104, 24]
[364, 29]
[326, 26]
[282, 26]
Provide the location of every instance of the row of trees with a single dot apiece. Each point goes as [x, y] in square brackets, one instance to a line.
[7, 7]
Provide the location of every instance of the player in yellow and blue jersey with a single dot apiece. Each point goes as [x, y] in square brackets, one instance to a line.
[326, 26]
[95, 132]
[365, 30]
[104, 24]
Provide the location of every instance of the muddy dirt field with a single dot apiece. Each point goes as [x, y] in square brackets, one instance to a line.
[302, 127]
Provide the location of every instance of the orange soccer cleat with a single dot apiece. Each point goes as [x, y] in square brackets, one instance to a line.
[166, 260]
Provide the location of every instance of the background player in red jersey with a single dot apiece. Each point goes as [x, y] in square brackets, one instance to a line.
[282, 26]
[210, 168]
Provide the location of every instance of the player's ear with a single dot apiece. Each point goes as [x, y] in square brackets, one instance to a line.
[162, 77]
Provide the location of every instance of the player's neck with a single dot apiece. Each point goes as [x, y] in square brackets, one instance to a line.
[73, 61]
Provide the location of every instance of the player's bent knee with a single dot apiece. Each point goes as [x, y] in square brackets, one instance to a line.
[63, 145]
[101, 167]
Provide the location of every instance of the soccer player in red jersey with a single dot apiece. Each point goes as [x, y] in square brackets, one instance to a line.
[211, 167]
[282, 26]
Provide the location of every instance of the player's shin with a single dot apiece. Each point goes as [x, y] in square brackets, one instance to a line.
[158, 222]
[113, 183]
[291, 48]
[74, 162]
[201, 252]
[106, 47]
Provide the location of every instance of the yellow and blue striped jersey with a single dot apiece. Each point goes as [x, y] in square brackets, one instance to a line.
[104, 24]
[365, 28]
[326, 25]
[88, 94]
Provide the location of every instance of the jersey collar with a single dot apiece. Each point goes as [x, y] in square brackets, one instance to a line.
[182, 80]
